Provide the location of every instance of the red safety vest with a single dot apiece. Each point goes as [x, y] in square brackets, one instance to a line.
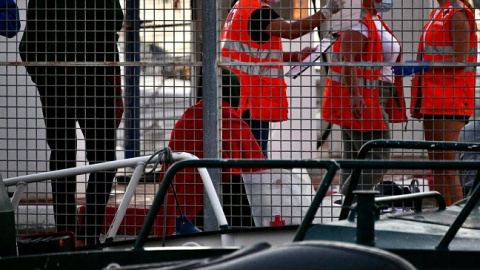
[263, 89]
[336, 102]
[444, 92]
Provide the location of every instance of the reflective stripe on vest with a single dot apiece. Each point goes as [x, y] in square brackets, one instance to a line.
[362, 82]
[253, 55]
[275, 55]
[439, 53]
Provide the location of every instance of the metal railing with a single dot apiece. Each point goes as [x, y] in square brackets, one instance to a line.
[139, 164]
[332, 166]
[185, 160]
[426, 145]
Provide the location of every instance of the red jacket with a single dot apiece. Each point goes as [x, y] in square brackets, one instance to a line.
[238, 142]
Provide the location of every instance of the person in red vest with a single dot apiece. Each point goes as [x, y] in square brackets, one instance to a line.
[252, 34]
[364, 99]
[237, 143]
[443, 96]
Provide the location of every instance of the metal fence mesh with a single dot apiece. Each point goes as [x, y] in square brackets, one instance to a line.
[161, 57]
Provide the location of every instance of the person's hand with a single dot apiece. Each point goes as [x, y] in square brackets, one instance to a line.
[116, 81]
[358, 104]
[409, 70]
[332, 7]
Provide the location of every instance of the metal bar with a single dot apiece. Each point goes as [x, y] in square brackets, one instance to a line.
[422, 195]
[211, 105]
[17, 195]
[366, 209]
[332, 166]
[212, 163]
[317, 200]
[130, 191]
[111, 165]
[175, 60]
[142, 63]
[127, 197]
[139, 164]
[147, 25]
[462, 216]
[362, 153]
[132, 73]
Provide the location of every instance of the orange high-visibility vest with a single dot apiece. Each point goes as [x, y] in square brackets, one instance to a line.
[336, 102]
[444, 92]
[263, 89]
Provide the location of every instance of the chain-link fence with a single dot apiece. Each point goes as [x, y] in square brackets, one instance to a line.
[225, 79]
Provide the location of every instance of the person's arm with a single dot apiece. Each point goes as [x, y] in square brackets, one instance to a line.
[350, 51]
[292, 30]
[9, 18]
[460, 34]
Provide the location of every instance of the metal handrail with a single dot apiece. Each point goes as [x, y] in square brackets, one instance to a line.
[331, 165]
[231, 163]
[417, 197]
[208, 187]
[139, 163]
[425, 145]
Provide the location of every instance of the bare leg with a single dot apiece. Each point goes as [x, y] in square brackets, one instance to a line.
[444, 181]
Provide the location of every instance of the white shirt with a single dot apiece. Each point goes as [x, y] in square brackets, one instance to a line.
[390, 47]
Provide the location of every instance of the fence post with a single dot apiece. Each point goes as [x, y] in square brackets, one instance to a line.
[132, 80]
[211, 106]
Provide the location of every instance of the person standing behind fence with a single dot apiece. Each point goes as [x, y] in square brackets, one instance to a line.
[90, 95]
[9, 18]
[252, 34]
[469, 133]
[443, 96]
[364, 99]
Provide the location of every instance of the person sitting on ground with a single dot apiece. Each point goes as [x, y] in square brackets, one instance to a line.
[238, 142]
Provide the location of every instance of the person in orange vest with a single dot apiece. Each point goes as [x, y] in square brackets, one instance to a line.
[443, 95]
[252, 48]
[364, 99]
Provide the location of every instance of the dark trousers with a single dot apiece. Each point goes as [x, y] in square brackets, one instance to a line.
[83, 96]
[260, 131]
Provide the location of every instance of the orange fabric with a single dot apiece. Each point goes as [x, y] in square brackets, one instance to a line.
[187, 136]
[444, 92]
[263, 94]
[336, 102]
